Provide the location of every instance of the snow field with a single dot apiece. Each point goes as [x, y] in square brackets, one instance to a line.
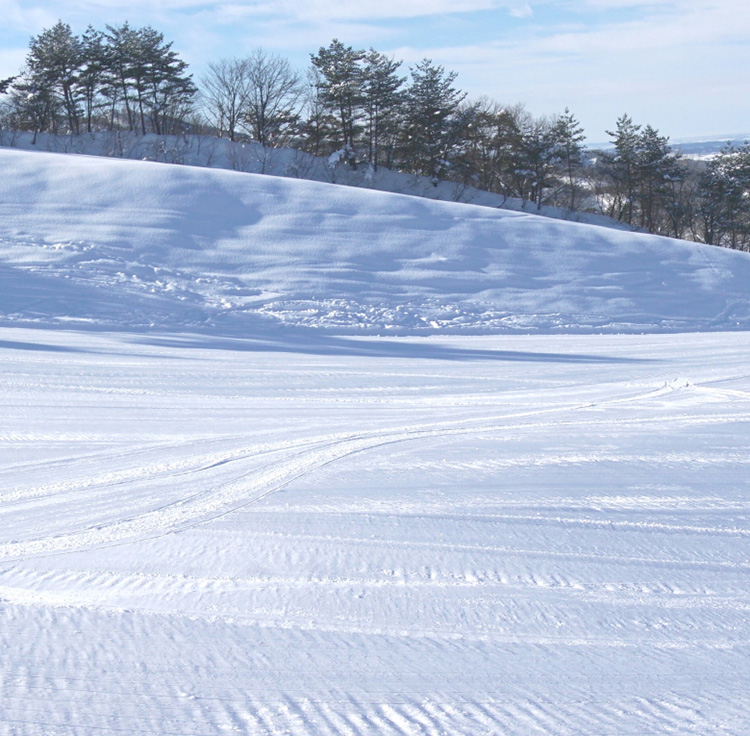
[233, 500]
[438, 535]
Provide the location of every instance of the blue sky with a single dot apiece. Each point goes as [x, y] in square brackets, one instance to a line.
[682, 66]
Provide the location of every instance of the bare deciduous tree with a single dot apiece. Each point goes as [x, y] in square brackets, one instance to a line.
[224, 95]
[274, 91]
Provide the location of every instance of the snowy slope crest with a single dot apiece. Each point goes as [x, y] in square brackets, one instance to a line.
[113, 243]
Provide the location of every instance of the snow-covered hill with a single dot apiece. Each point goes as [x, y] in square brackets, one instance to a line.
[216, 517]
[133, 244]
[253, 158]
[705, 148]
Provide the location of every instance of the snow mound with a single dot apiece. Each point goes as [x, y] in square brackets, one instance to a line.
[115, 243]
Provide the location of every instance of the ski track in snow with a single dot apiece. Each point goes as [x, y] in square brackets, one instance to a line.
[311, 544]
[247, 488]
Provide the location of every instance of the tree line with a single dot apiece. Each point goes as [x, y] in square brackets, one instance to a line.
[359, 108]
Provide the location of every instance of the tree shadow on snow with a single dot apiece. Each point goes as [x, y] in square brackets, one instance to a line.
[364, 347]
[38, 346]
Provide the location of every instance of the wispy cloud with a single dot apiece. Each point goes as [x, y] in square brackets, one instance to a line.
[522, 10]
[290, 9]
[681, 69]
[25, 18]
[12, 60]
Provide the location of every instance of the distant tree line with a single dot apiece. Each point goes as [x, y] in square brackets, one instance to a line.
[643, 182]
[359, 109]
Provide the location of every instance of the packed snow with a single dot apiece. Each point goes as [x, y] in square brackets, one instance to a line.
[281, 457]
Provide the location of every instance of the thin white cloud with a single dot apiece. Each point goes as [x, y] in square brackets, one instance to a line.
[683, 70]
[699, 30]
[522, 10]
[608, 5]
[291, 10]
[24, 18]
[12, 61]
[350, 10]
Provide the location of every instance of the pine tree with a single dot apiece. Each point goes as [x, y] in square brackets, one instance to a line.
[5, 84]
[53, 62]
[535, 160]
[148, 78]
[34, 108]
[382, 97]
[644, 178]
[341, 91]
[481, 150]
[120, 54]
[92, 75]
[622, 168]
[432, 103]
[569, 138]
[725, 199]
[508, 136]
[318, 125]
[658, 168]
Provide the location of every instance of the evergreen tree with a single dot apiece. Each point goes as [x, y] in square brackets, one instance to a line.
[92, 76]
[121, 53]
[622, 169]
[341, 91]
[5, 84]
[536, 160]
[482, 145]
[163, 87]
[149, 79]
[657, 169]
[569, 138]
[382, 97]
[644, 177]
[33, 108]
[430, 125]
[53, 62]
[725, 199]
[509, 123]
[318, 124]
[680, 202]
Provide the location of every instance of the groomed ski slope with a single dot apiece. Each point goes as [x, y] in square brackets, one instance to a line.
[226, 509]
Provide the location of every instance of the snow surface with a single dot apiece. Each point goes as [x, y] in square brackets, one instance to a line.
[221, 153]
[141, 244]
[221, 511]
